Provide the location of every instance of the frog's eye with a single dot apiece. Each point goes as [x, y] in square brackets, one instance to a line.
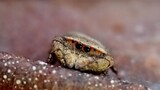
[87, 49]
[73, 41]
[78, 46]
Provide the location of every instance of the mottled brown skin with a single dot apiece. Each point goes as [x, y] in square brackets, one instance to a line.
[81, 52]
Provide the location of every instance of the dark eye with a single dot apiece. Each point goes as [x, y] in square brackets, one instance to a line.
[72, 41]
[87, 49]
[78, 46]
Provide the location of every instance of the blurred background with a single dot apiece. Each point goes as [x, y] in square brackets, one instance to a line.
[129, 28]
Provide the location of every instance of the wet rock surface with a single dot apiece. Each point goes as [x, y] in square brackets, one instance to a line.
[18, 73]
[128, 28]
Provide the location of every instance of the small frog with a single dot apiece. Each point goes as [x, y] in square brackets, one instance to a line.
[81, 52]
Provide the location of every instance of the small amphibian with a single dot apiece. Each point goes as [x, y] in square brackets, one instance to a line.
[81, 52]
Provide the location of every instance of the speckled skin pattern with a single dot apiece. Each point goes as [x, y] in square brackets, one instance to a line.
[78, 51]
[19, 73]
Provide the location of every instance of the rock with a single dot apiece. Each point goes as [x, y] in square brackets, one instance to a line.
[17, 73]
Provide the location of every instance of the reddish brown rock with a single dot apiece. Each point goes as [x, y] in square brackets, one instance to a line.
[17, 73]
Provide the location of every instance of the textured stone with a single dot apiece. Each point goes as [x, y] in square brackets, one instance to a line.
[17, 73]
